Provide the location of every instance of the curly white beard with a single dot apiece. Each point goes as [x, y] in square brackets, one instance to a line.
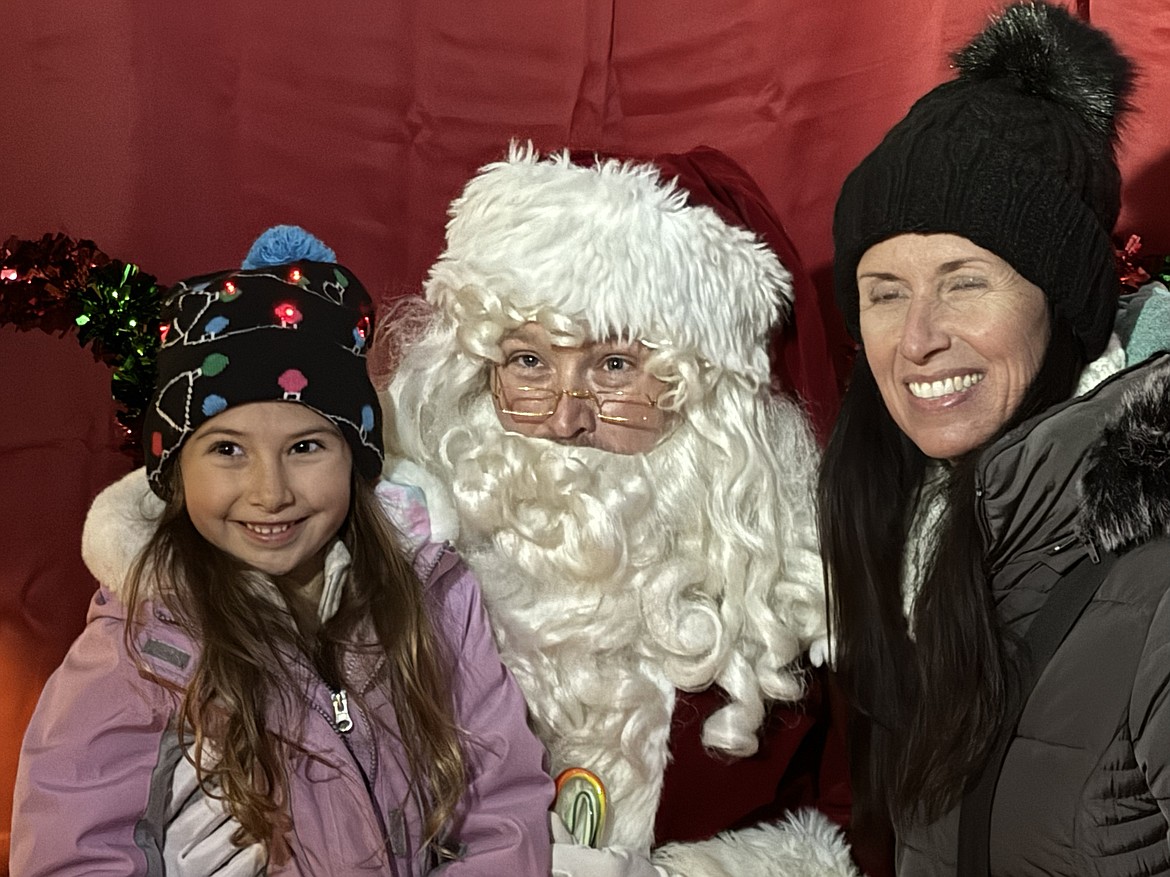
[594, 582]
[613, 580]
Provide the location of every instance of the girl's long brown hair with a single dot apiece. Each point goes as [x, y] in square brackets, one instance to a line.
[247, 641]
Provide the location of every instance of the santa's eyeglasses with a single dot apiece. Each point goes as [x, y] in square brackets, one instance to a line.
[527, 403]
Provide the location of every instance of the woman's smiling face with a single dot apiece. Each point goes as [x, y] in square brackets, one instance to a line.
[953, 336]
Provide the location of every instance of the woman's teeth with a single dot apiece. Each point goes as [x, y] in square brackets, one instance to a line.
[934, 389]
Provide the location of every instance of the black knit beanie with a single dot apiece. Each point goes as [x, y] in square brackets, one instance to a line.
[294, 332]
[1017, 156]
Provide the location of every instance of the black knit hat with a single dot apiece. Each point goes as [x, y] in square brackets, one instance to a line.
[294, 332]
[1017, 156]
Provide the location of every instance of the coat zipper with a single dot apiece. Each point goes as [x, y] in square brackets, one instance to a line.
[340, 703]
[341, 718]
[434, 564]
[342, 723]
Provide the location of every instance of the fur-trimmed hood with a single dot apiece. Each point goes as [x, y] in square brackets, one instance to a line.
[119, 524]
[1093, 471]
[1126, 485]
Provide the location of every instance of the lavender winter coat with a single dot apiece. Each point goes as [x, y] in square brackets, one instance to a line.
[102, 777]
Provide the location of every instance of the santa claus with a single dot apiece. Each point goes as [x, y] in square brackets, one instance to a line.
[588, 415]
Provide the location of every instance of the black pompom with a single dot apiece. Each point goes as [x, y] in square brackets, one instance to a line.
[1048, 52]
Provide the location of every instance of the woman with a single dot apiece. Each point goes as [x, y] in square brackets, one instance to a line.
[966, 476]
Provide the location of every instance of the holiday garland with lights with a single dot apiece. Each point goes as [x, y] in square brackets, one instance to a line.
[56, 283]
[1134, 269]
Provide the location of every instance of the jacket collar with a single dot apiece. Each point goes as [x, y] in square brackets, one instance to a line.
[1078, 473]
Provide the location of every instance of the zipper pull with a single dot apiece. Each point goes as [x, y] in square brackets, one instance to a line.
[341, 711]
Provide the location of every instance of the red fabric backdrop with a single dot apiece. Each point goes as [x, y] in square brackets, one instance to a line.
[172, 133]
[58, 448]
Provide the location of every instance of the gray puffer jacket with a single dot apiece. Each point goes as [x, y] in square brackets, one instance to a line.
[1085, 788]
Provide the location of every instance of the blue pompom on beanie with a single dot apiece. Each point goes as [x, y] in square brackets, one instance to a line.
[282, 244]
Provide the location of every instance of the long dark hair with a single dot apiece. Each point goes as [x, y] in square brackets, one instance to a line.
[927, 709]
[244, 667]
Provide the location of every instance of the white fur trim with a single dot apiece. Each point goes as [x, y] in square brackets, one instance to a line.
[616, 247]
[440, 508]
[1104, 366]
[805, 844]
[120, 522]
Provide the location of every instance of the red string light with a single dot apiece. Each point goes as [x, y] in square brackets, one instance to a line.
[288, 313]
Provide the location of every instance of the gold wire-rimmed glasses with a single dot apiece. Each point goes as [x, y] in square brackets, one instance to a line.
[531, 404]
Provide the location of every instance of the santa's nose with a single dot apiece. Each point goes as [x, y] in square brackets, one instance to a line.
[575, 415]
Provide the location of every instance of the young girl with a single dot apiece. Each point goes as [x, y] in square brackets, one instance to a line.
[268, 680]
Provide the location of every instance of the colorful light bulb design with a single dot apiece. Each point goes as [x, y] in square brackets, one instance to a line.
[214, 326]
[360, 332]
[213, 404]
[292, 381]
[288, 314]
[213, 364]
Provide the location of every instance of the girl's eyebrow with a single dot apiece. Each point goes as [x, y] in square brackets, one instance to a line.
[222, 432]
[227, 432]
[313, 434]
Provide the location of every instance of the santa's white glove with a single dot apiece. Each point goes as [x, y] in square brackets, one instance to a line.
[571, 859]
[197, 841]
[574, 860]
[805, 844]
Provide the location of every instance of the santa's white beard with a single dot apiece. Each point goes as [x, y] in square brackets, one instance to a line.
[594, 578]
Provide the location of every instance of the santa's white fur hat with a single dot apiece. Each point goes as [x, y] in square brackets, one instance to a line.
[614, 246]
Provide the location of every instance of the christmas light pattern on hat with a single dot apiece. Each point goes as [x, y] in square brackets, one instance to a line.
[290, 332]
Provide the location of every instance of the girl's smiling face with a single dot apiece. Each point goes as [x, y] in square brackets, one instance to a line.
[953, 335]
[268, 483]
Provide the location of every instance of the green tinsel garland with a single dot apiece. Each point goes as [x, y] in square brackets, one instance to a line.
[1162, 272]
[56, 282]
[1135, 270]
